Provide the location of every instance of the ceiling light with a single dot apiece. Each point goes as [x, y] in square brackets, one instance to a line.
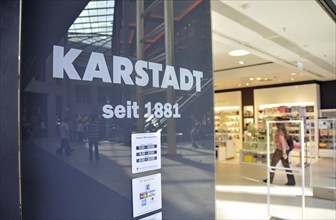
[293, 74]
[245, 6]
[251, 78]
[241, 62]
[247, 84]
[292, 79]
[237, 53]
[300, 65]
[258, 78]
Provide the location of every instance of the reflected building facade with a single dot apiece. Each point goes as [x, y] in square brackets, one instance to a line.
[174, 38]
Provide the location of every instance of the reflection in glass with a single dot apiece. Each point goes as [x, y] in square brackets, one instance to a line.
[70, 185]
[94, 26]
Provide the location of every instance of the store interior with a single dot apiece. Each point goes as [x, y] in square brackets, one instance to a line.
[285, 54]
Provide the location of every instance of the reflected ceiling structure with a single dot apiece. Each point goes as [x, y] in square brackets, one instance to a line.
[94, 26]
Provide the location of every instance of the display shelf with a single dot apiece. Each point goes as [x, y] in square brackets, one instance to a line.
[227, 122]
[253, 157]
[327, 153]
[248, 111]
[292, 112]
[291, 115]
[328, 113]
[327, 137]
[228, 127]
[254, 149]
[225, 149]
[248, 116]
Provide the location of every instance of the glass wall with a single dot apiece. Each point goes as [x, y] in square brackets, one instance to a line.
[97, 71]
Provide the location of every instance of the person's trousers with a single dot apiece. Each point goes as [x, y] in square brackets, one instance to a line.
[65, 146]
[275, 159]
[93, 142]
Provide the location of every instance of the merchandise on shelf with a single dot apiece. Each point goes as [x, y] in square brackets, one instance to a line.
[248, 116]
[227, 125]
[291, 113]
[327, 134]
[227, 132]
[254, 149]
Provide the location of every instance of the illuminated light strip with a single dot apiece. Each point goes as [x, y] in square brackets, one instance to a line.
[301, 104]
[222, 108]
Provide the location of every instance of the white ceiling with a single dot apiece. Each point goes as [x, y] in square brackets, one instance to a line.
[288, 41]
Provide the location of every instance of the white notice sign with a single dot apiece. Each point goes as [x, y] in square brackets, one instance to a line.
[323, 124]
[146, 194]
[157, 216]
[146, 152]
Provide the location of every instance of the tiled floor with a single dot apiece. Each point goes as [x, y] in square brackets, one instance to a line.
[187, 177]
[241, 194]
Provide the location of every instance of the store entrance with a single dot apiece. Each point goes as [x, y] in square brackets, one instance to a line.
[261, 74]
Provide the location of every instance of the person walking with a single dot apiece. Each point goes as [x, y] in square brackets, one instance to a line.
[194, 132]
[281, 152]
[93, 137]
[80, 131]
[64, 133]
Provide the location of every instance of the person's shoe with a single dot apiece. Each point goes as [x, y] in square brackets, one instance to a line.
[290, 184]
[265, 181]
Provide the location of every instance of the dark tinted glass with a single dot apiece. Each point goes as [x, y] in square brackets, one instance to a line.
[85, 81]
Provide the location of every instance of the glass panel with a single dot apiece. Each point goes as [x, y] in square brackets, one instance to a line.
[99, 90]
[324, 169]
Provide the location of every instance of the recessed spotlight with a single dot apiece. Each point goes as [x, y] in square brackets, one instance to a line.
[292, 79]
[237, 53]
[245, 6]
[293, 74]
[258, 78]
[241, 62]
[247, 84]
[251, 78]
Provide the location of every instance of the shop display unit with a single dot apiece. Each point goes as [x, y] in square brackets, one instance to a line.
[253, 157]
[254, 149]
[327, 132]
[294, 112]
[327, 137]
[248, 116]
[255, 141]
[225, 150]
[328, 113]
[227, 133]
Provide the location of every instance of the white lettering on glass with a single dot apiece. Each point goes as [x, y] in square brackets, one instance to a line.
[141, 73]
